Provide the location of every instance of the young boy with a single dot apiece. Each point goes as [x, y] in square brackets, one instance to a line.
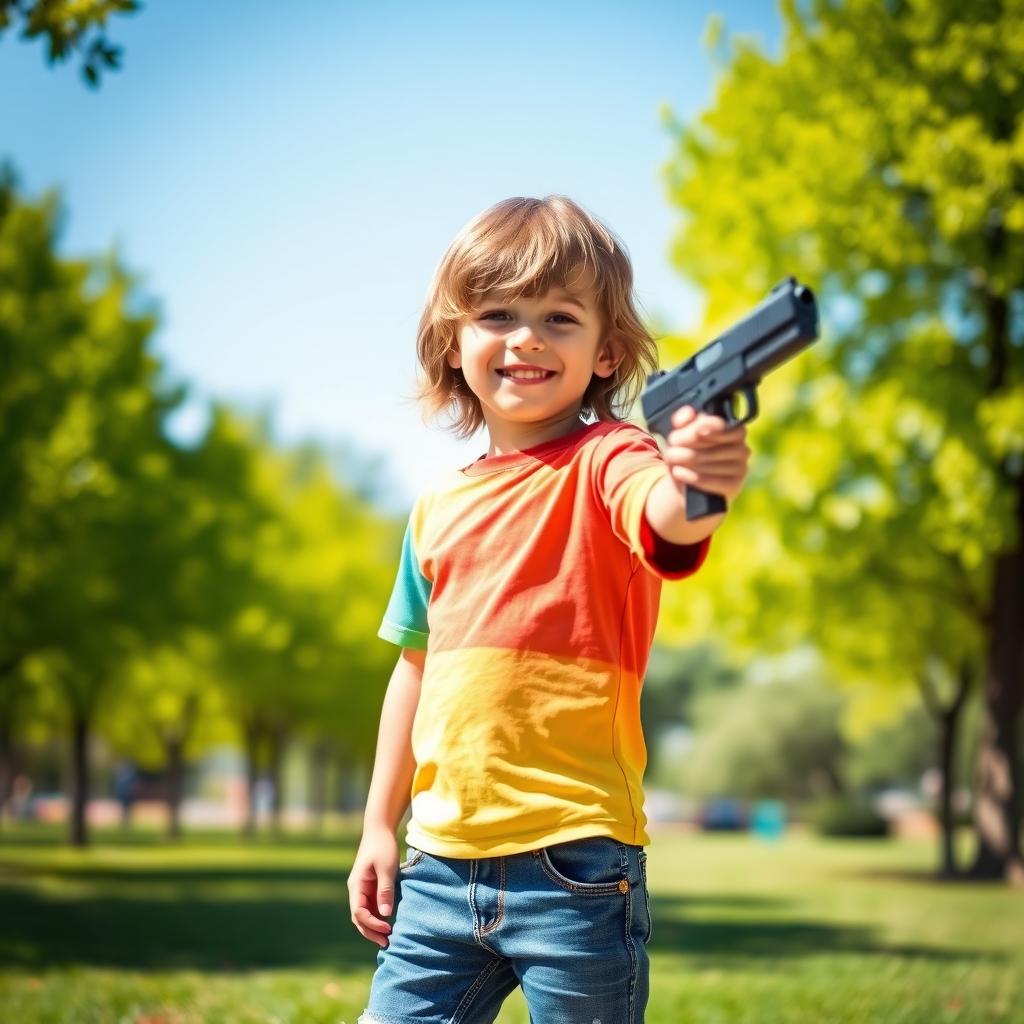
[525, 605]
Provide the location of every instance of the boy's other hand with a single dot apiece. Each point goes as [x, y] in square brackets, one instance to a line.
[701, 452]
[371, 885]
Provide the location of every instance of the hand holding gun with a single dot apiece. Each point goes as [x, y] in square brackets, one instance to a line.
[781, 326]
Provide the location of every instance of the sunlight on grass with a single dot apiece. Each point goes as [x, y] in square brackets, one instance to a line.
[805, 930]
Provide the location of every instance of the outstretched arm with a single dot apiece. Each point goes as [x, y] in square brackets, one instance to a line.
[700, 452]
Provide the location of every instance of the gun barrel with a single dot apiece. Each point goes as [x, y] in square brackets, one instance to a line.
[795, 335]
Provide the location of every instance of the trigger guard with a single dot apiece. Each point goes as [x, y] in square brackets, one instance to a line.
[750, 393]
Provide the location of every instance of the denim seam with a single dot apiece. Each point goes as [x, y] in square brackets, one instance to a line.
[634, 967]
[471, 897]
[647, 896]
[474, 991]
[485, 929]
[633, 955]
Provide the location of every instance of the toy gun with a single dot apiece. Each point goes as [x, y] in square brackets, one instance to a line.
[777, 329]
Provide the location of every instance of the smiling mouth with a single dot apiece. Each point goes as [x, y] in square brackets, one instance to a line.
[530, 378]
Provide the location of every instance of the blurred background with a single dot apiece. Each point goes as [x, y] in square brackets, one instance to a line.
[218, 223]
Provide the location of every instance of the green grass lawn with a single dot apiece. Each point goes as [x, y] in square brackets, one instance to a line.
[131, 931]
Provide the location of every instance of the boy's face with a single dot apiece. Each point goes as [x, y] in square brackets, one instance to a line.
[560, 333]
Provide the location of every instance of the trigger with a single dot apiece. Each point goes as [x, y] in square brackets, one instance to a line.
[731, 420]
[750, 393]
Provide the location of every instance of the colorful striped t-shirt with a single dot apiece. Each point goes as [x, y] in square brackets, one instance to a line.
[532, 579]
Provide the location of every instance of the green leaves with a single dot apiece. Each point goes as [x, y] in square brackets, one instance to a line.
[880, 159]
[175, 591]
[1002, 420]
[69, 25]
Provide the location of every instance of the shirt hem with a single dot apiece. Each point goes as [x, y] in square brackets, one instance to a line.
[460, 849]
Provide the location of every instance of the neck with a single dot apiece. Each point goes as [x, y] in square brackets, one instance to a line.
[515, 437]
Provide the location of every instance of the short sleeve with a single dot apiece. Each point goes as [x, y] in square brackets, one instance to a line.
[627, 464]
[405, 620]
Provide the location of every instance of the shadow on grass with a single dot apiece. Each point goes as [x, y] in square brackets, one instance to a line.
[729, 942]
[933, 877]
[116, 876]
[183, 933]
[43, 835]
[187, 930]
[207, 917]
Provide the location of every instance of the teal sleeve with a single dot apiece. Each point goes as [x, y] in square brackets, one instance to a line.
[405, 620]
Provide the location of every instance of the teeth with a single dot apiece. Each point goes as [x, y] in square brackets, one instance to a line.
[524, 374]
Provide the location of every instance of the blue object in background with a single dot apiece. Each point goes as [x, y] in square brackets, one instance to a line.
[768, 820]
[722, 814]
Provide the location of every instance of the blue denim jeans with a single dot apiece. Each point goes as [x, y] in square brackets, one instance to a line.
[569, 922]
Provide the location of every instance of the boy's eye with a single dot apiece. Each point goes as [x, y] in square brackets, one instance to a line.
[501, 312]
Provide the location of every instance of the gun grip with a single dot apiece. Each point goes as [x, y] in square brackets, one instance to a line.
[700, 504]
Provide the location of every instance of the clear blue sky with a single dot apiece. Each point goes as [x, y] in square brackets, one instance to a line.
[285, 177]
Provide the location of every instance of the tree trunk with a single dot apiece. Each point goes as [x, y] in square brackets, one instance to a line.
[251, 731]
[343, 782]
[997, 803]
[947, 750]
[350, 791]
[175, 750]
[174, 745]
[319, 760]
[278, 743]
[948, 720]
[9, 761]
[8, 764]
[79, 777]
[997, 798]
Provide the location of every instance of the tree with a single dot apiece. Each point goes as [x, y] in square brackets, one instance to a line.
[300, 609]
[777, 738]
[344, 561]
[166, 707]
[674, 684]
[879, 160]
[70, 26]
[92, 522]
[17, 700]
[117, 547]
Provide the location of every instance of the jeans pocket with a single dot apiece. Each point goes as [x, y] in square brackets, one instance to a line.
[592, 865]
[413, 858]
[647, 896]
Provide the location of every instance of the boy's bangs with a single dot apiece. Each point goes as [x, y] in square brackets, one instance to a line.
[530, 262]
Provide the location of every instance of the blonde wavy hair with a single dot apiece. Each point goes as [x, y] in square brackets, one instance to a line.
[522, 247]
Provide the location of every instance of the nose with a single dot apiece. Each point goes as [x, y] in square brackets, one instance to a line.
[524, 337]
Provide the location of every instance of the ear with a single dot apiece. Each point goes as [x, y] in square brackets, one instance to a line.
[454, 357]
[609, 354]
